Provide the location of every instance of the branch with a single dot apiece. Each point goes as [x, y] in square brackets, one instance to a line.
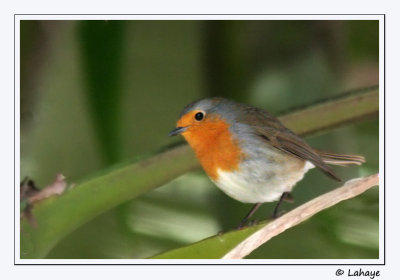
[349, 107]
[350, 189]
[57, 217]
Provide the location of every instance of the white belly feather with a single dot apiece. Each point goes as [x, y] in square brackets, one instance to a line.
[260, 181]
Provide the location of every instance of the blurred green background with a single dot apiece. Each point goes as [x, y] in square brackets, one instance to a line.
[96, 93]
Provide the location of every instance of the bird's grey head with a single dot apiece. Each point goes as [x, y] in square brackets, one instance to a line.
[216, 105]
[204, 108]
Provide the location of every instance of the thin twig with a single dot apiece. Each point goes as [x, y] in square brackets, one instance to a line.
[350, 189]
[56, 188]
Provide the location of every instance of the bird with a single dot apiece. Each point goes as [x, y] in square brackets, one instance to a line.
[249, 154]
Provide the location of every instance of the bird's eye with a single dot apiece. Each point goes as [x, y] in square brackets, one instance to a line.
[199, 116]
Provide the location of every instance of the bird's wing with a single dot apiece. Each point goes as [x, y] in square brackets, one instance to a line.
[276, 134]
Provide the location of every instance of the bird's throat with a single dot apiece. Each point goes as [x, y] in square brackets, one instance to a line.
[215, 147]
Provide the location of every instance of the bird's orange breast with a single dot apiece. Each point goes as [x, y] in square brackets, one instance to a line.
[215, 146]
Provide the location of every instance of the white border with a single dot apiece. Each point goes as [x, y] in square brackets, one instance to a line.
[17, 156]
[204, 17]
[382, 185]
[196, 17]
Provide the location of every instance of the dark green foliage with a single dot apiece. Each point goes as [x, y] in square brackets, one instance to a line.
[102, 44]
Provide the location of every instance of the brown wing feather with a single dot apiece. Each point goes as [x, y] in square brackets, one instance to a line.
[280, 137]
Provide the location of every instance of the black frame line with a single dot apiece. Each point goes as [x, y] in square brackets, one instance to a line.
[239, 264]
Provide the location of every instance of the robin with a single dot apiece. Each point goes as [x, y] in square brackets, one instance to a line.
[249, 154]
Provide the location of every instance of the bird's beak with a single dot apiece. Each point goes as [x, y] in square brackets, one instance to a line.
[177, 130]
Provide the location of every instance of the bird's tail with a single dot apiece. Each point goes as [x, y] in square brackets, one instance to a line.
[340, 159]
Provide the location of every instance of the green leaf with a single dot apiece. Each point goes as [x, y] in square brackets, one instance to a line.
[214, 247]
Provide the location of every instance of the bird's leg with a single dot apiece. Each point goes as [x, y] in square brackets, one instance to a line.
[248, 216]
[283, 197]
[288, 197]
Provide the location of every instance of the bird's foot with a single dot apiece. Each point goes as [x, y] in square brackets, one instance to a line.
[277, 215]
[248, 223]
